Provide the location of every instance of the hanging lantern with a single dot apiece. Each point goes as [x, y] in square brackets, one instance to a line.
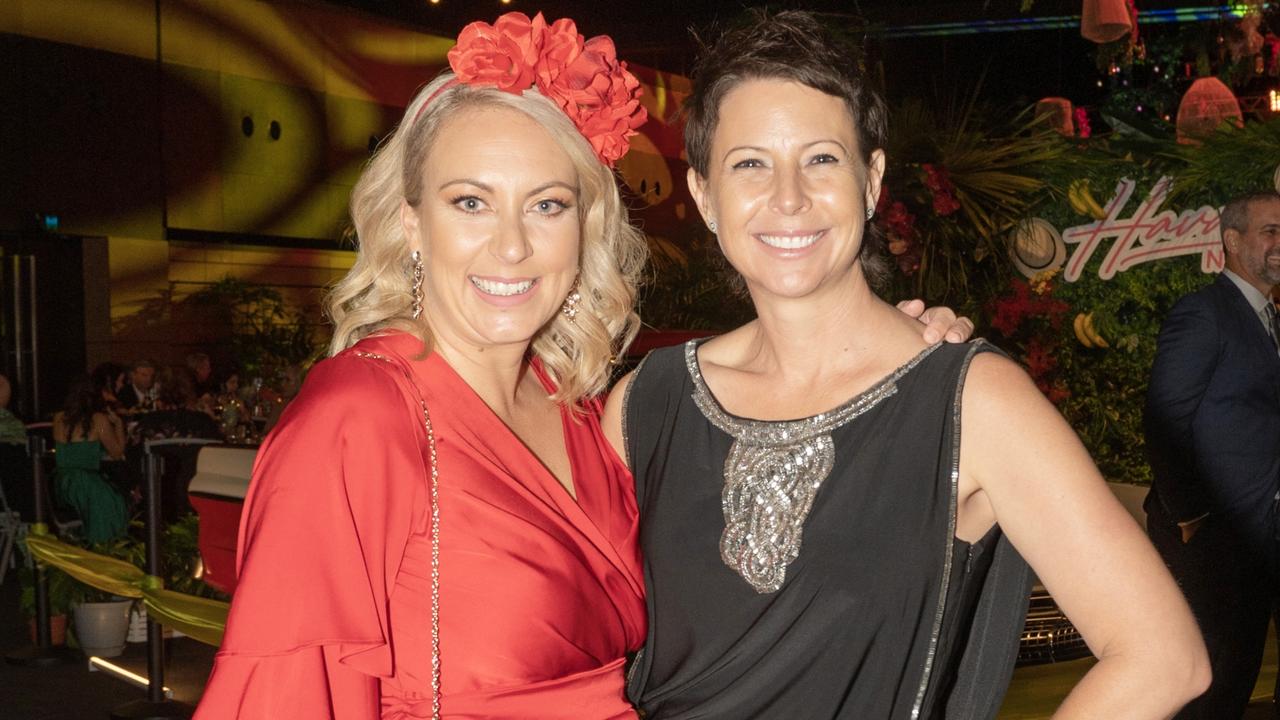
[1207, 104]
[1036, 246]
[1104, 21]
[1056, 113]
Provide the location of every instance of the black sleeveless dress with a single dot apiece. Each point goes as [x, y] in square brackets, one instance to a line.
[860, 607]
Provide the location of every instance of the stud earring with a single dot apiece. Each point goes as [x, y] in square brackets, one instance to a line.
[416, 256]
[871, 212]
[711, 225]
[570, 306]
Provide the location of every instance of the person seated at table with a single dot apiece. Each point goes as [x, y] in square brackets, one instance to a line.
[109, 378]
[85, 431]
[183, 415]
[140, 392]
[202, 370]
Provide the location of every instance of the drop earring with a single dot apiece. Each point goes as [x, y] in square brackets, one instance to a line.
[416, 256]
[570, 306]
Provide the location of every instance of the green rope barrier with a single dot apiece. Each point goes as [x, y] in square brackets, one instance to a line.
[196, 617]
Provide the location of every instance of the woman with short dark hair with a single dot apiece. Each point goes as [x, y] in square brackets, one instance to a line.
[821, 539]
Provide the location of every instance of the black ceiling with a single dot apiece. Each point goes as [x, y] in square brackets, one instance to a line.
[1009, 67]
[657, 32]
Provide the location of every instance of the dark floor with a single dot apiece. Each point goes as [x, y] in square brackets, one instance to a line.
[70, 691]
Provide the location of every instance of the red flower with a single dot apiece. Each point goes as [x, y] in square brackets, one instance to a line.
[561, 46]
[900, 221]
[1083, 128]
[585, 79]
[502, 55]
[944, 203]
[600, 96]
[938, 180]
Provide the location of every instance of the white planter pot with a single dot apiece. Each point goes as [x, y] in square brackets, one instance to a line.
[101, 627]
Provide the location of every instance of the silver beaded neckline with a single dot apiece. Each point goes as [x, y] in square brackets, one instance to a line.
[773, 472]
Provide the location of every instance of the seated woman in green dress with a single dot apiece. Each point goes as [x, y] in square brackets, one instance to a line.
[85, 431]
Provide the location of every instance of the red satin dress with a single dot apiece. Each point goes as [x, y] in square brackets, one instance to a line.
[540, 596]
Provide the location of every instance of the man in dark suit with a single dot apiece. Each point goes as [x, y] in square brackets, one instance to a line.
[1213, 437]
[139, 392]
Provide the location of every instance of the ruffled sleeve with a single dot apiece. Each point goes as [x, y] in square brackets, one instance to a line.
[337, 489]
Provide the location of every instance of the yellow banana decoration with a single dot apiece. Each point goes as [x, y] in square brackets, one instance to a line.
[1073, 198]
[1092, 332]
[1091, 205]
[1078, 326]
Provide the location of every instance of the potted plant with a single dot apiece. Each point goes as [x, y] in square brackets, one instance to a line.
[62, 590]
[102, 623]
[102, 619]
[180, 559]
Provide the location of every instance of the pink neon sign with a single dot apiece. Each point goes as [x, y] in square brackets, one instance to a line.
[1146, 235]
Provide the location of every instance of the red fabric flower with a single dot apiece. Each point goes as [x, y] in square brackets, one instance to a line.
[502, 55]
[585, 78]
[600, 96]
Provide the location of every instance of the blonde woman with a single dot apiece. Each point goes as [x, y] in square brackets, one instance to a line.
[438, 516]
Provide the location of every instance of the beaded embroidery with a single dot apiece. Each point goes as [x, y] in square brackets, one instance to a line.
[773, 473]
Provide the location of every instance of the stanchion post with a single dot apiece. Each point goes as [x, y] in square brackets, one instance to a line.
[44, 654]
[155, 631]
[35, 444]
[155, 707]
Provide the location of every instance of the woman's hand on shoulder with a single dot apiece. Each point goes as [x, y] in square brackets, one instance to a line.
[611, 419]
[1020, 456]
[940, 323]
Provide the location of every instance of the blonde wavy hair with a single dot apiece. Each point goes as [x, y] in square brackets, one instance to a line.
[376, 294]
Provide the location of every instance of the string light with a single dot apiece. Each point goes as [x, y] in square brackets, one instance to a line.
[1275, 101]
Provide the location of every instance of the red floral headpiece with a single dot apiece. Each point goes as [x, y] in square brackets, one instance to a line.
[585, 78]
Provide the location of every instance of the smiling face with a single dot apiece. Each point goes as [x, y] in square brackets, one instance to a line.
[497, 224]
[787, 187]
[1254, 254]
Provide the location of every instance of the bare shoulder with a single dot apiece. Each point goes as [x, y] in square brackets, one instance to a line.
[995, 384]
[611, 419]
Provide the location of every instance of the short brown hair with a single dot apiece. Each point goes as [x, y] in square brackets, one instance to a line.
[789, 45]
[1235, 215]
